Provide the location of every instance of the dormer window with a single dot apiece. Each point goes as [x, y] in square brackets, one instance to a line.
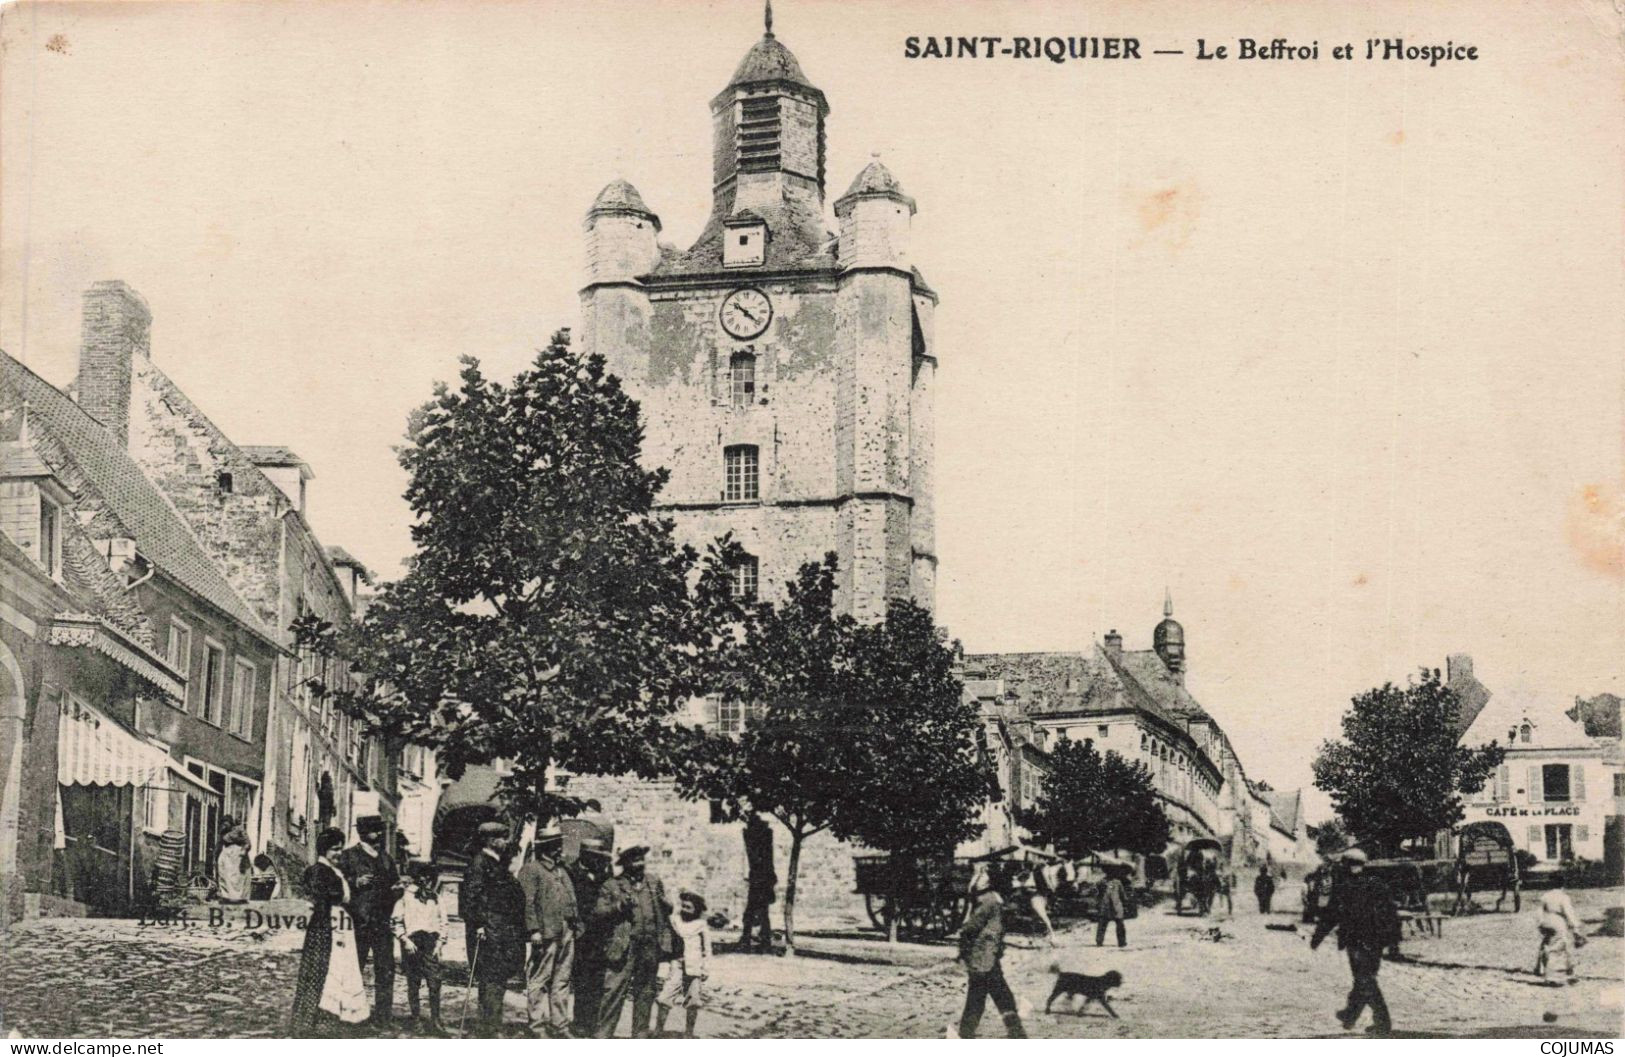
[744, 240]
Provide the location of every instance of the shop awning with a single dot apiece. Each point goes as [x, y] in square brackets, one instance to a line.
[86, 630]
[92, 749]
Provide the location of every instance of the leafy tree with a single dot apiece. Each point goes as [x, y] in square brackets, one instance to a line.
[546, 618]
[1398, 772]
[1093, 802]
[859, 730]
[923, 778]
[1329, 837]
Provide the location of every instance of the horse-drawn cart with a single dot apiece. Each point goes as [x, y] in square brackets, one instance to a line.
[1486, 858]
[927, 897]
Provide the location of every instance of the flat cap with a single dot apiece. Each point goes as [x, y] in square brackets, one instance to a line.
[493, 829]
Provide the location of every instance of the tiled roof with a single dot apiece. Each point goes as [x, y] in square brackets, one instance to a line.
[1144, 672]
[270, 455]
[797, 241]
[619, 194]
[160, 533]
[18, 460]
[1049, 682]
[768, 60]
[339, 556]
[1284, 810]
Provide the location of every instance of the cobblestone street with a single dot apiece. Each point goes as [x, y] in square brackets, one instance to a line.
[96, 978]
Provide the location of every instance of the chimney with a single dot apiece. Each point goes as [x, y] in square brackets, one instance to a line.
[1458, 667]
[116, 326]
[1114, 643]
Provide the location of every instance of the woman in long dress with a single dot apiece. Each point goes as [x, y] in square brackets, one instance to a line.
[231, 868]
[327, 889]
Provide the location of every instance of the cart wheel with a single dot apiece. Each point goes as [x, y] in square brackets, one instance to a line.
[878, 908]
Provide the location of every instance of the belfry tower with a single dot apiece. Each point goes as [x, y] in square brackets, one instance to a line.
[785, 370]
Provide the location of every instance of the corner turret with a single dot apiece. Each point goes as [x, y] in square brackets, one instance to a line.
[875, 219]
[621, 236]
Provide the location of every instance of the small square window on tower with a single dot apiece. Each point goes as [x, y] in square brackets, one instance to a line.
[744, 242]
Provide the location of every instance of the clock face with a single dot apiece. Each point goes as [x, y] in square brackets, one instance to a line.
[746, 313]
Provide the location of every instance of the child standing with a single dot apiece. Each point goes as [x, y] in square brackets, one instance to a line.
[421, 924]
[684, 984]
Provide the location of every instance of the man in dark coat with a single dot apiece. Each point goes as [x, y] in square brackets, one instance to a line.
[553, 923]
[981, 952]
[761, 881]
[1363, 913]
[589, 872]
[1264, 888]
[492, 904]
[636, 914]
[375, 885]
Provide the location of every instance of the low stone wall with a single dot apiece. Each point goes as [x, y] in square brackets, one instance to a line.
[690, 851]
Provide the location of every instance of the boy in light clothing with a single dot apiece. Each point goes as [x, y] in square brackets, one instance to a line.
[684, 984]
[420, 923]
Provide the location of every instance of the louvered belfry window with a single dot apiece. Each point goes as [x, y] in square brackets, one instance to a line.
[759, 134]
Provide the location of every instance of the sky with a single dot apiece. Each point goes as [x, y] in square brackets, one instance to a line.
[1331, 350]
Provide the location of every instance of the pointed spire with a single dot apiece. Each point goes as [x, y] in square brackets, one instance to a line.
[767, 17]
[1167, 602]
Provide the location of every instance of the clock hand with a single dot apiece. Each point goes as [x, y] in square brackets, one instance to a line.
[747, 313]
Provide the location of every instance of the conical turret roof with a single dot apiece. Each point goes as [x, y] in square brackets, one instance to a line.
[618, 194]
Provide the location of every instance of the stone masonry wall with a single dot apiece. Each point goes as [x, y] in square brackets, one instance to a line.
[689, 851]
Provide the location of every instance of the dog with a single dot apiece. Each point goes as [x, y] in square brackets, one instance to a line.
[1092, 988]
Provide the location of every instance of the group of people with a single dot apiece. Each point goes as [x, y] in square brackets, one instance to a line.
[595, 940]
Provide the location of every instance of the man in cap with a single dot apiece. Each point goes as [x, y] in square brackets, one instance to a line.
[1363, 913]
[375, 885]
[981, 952]
[637, 915]
[493, 907]
[553, 924]
[589, 872]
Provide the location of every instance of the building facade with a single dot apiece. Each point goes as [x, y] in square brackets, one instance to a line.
[785, 370]
[1133, 703]
[1556, 789]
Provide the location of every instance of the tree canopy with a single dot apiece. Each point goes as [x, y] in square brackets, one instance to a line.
[1398, 772]
[1097, 802]
[546, 617]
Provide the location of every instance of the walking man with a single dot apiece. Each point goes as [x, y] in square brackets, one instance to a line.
[1113, 908]
[1264, 888]
[637, 915]
[981, 952]
[761, 882]
[375, 885]
[553, 923]
[1367, 922]
[493, 907]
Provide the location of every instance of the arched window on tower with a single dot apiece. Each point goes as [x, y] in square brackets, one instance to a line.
[1525, 732]
[741, 483]
[742, 378]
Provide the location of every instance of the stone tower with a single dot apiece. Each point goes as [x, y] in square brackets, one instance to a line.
[785, 370]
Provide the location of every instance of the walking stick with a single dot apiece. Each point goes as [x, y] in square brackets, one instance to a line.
[473, 963]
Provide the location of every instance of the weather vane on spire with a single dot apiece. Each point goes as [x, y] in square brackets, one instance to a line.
[1167, 602]
[767, 17]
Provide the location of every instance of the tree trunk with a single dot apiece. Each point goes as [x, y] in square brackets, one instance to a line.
[796, 837]
[895, 904]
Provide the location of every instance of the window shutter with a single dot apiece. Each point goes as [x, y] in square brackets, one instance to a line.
[1581, 834]
[1536, 795]
[1577, 783]
[1503, 783]
[1536, 838]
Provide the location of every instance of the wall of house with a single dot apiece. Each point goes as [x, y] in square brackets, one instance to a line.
[1516, 798]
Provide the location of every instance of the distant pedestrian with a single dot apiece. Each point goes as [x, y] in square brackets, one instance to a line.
[262, 879]
[637, 914]
[684, 983]
[375, 885]
[981, 952]
[231, 865]
[760, 885]
[553, 923]
[589, 872]
[1363, 912]
[492, 905]
[1560, 934]
[421, 926]
[324, 883]
[1264, 889]
[1113, 908]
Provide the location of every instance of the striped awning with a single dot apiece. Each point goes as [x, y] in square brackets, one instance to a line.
[92, 749]
[87, 630]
